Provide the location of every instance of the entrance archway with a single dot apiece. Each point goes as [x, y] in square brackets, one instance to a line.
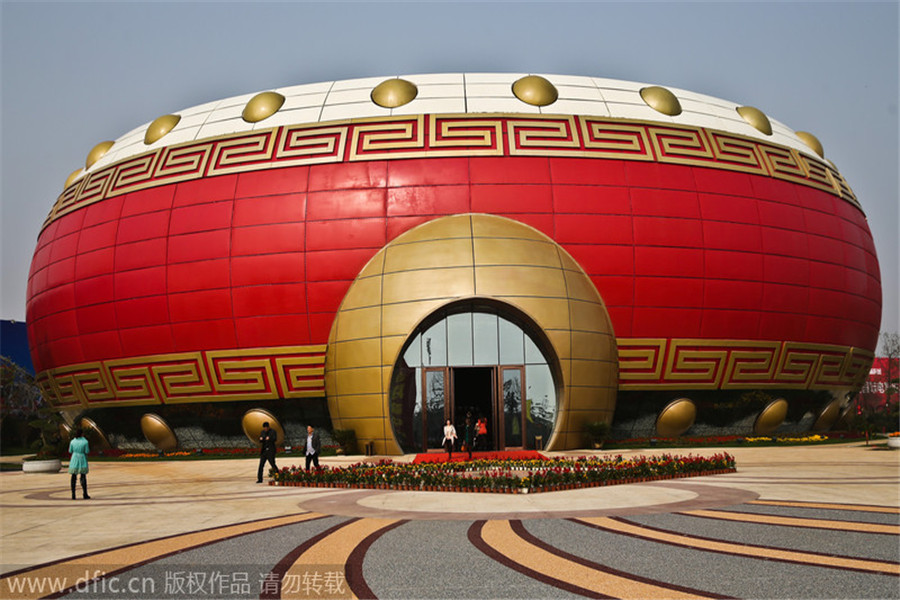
[469, 361]
[482, 259]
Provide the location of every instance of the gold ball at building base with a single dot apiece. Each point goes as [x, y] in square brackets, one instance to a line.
[770, 417]
[157, 432]
[676, 418]
[94, 434]
[252, 423]
[828, 416]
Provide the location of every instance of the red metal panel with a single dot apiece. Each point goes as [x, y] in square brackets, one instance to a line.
[659, 176]
[743, 323]
[149, 200]
[669, 262]
[98, 236]
[345, 204]
[140, 341]
[592, 229]
[100, 345]
[91, 290]
[281, 299]
[143, 227]
[726, 264]
[141, 282]
[200, 217]
[199, 246]
[741, 295]
[261, 269]
[591, 199]
[202, 275]
[200, 305]
[588, 171]
[427, 172]
[345, 234]
[210, 189]
[268, 182]
[665, 292]
[510, 198]
[271, 330]
[103, 212]
[96, 317]
[204, 335]
[343, 176]
[677, 322]
[267, 239]
[428, 200]
[288, 208]
[149, 253]
[142, 312]
[665, 203]
[519, 170]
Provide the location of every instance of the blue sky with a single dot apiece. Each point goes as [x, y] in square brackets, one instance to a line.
[73, 74]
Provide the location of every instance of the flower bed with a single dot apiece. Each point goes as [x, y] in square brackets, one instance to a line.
[507, 476]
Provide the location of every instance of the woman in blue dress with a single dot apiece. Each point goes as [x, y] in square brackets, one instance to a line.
[78, 464]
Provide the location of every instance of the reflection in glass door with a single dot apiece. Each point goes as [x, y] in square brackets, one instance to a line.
[434, 406]
[511, 398]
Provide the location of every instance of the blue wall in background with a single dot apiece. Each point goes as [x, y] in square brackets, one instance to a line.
[14, 343]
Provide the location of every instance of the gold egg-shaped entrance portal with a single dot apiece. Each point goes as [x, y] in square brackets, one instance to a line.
[475, 258]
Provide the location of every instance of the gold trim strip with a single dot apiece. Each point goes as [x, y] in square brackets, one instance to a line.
[445, 135]
[738, 364]
[210, 376]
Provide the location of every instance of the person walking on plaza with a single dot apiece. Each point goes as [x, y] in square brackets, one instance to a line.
[449, 439]
[267, 439]
[78, 464]
[313, 446]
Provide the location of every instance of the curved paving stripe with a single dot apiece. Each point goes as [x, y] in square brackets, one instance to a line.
[854, 507]
[61, 576]
[329, 565]
[625, 527]
[510, 544]
[795, 521]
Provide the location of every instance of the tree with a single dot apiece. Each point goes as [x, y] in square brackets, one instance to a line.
[890, 345]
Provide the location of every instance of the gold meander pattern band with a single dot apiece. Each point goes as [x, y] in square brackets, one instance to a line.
[718, 364]
[247, 374]
[430, 136]
[299, 371]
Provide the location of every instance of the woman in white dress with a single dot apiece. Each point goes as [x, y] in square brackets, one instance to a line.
[449, 438]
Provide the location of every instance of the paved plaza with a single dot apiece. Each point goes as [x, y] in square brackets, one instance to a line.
[795, 522]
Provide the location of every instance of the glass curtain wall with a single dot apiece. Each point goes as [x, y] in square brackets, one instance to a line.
[523, 399]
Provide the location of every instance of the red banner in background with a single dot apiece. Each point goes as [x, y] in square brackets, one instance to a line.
[874, 392]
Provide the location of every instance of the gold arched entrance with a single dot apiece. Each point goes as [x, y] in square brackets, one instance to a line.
[471, 256]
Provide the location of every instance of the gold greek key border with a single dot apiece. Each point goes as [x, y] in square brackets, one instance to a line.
[663, 364]
[432, 136]
[299, 371]
[203, 376]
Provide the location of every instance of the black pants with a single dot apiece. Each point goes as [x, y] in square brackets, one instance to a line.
[83, 485]
[266, 456]
[312, 458]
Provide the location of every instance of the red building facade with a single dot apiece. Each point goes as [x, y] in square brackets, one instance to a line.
[211, 267]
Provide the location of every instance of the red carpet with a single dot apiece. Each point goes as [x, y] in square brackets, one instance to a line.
[433, 457]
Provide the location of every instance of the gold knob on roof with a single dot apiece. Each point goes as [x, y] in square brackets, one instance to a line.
[756, 118]
[393, 93]
[535, 90]
[262, 106]
[661, 100]
[160, 127]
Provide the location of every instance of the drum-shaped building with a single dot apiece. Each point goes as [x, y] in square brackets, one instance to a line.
[541, 251]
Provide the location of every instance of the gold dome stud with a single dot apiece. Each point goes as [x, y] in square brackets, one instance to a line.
[160, 127]
[535, 90]
[756, 118]
[97, 153]
[392, 93]
[262, 106]
[72, 177]
[811, 141]
[252, 424]
[676, 418]
[661, 100]
[770, 417]
[157, 432]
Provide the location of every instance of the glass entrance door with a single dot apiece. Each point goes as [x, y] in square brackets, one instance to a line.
[435, 408]
[510, 398]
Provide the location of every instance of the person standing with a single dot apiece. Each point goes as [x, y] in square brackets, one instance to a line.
[481, 434]
[78, 464]
[267, 439]
[313, 446]
[469, 434]
[449, 439]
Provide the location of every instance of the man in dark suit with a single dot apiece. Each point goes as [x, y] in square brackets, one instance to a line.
[313, 445]
[267, 439]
